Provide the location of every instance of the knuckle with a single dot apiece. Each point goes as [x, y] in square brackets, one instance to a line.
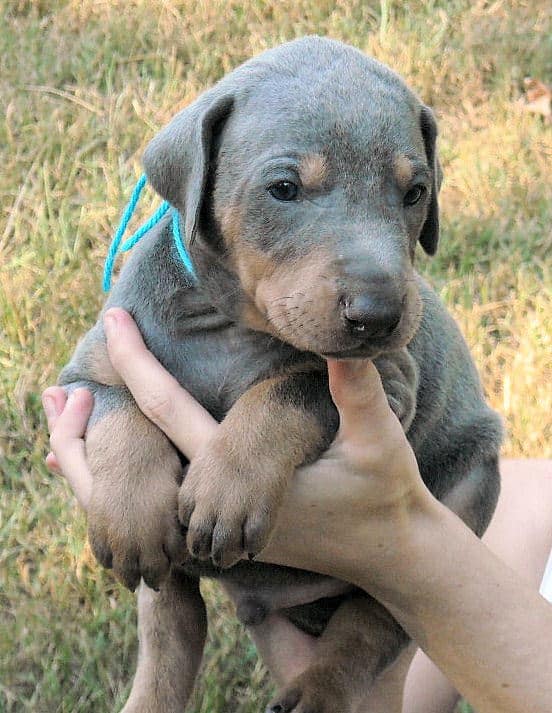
[158, 407]
[56, 442]
[199, 539]
[127, 571]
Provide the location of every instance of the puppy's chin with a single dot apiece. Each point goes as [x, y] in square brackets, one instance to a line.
[340, 346]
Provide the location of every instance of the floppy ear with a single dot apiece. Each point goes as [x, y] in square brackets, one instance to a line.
[429, 236]
[176, 160]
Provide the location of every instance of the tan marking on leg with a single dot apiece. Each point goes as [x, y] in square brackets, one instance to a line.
[172, 625]
[132, 512]
[232, 491]
[386, 696]
[360, 642]
[263, 438]
[313, 171]
[281, 430]
[403, 170]
[100, 368]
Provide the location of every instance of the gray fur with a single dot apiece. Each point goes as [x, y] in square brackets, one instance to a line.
[309, 95]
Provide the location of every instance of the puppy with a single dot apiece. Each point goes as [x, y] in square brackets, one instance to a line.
[304, 180]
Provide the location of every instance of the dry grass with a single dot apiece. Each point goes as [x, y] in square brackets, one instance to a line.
[84, 85]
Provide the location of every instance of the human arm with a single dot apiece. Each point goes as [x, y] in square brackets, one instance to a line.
[362, 513]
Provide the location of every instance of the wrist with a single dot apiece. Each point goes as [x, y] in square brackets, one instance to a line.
[410, 533]
[370, 545]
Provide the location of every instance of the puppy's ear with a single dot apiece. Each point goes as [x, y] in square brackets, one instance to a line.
[429, 236]
[177, 159]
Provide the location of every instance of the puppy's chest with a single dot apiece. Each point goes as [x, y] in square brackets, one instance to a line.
[217, 366]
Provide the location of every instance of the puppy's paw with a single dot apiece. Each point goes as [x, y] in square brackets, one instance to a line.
[399, 376]
[136, 532]
[228, 506]
[320, 689]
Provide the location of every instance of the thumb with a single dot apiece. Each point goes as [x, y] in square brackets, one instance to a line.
[364, 413]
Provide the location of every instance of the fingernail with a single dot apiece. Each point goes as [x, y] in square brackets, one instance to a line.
[49, 406]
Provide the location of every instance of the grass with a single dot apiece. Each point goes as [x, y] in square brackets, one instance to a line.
[84, 85]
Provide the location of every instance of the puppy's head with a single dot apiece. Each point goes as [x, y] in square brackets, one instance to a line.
[305, 179]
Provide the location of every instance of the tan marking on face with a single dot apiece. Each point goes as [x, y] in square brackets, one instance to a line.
[402, 168]
[298, 301]
[295, 301]
[313, 170]
[252, 266]
[231, 224]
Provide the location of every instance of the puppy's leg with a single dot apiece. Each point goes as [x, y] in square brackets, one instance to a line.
[136, 472]
[387, 694]
[232, 490]
[172, 625]
[360, 642]
[399, 376]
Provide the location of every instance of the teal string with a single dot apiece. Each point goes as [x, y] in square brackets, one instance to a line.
[180, 245]
[114, 247]
[143, 229]
[139, 234]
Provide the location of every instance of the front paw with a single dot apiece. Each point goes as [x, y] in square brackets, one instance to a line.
[136, 533]
[228, 506]
[399, 376]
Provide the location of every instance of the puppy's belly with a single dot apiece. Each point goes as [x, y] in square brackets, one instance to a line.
[253, 604]
[257, 589]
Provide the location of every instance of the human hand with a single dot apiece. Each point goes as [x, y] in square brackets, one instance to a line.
[368, 478]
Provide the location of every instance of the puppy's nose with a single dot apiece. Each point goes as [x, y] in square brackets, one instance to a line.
[371, 315]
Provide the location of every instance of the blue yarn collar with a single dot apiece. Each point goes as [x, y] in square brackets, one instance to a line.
[142, 230]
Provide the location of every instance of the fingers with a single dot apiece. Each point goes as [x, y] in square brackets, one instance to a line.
[358, 394]
[67, 419]
[158, 394]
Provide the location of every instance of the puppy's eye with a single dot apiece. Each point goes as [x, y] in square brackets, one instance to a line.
[283, 191]
[414, 195]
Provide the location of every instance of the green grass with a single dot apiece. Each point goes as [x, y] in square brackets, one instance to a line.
[84, 85]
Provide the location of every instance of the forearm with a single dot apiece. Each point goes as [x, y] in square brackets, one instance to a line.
[484, 627]
[480, 623]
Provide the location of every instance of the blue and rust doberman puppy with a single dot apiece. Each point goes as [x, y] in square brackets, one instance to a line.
[305, 179]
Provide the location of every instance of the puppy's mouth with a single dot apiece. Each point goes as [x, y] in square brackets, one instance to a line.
[363, 351]
[315, 320]
[332, 341]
